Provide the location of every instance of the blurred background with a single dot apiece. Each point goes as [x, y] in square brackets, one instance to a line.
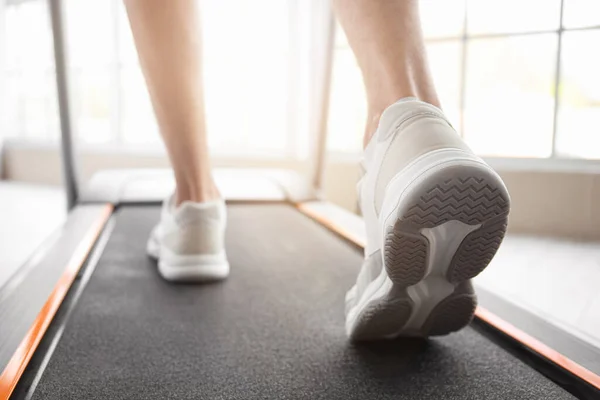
[492, 61]
[510, 62]
[519, 79]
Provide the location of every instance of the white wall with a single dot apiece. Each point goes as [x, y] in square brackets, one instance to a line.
[561, 204]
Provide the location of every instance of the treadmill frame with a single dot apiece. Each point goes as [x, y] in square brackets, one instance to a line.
[41, 334]
[31, 298]
[83, 254]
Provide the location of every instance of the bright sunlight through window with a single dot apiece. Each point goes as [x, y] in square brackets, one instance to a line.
[517, 78]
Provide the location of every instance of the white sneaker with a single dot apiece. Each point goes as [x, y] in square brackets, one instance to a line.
[435, 215]
[189, 241]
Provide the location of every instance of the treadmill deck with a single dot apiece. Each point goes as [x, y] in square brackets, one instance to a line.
[274, 329]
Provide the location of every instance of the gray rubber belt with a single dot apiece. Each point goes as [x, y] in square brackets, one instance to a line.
[274, 329]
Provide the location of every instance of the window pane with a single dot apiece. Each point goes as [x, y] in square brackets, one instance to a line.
[52, 112]
[93, 105]
[495, 16]
[445, 62]
[348, 107]
[578, 133]
[340, 36]
[510, 95]
[138, 123]
[90, 28]
[11, 115]
[581, 13]
[246, 76]
[127, 52]
[245, 79]
[439, 19]
[10, 45]
[442, 18]
[32, 111]
[28, 36]
[137, 120]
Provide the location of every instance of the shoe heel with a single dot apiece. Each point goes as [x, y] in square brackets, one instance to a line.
[469, 193]
[453, 313]
[447, 226]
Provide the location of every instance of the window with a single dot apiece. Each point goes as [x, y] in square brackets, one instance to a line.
[30, 94]
[509, 98]
[578, 123]
[247, 73]
[517, 78]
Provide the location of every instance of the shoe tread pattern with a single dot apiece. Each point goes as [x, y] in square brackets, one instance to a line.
[476, 251]
[405, 257]
[382, 318]
[451, 314]
[470, 200]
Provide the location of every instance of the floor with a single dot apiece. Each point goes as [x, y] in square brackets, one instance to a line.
[28, 214]
[555, 278]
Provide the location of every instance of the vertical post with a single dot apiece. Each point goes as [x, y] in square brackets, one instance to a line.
[320, 144]
[2, 85]
[70, 170]
[463, 72]
[557, 79]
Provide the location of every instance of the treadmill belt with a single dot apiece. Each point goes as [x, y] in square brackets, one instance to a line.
[274, 329]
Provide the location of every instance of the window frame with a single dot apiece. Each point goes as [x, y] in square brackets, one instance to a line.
[526, 162]
[555, 162]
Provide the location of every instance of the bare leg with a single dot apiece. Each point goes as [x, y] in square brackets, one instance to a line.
[387, 41]
[167, 38]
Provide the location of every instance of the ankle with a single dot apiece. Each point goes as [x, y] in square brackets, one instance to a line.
[377, 105]
[201, 193]
[371, 126]
[375, 112]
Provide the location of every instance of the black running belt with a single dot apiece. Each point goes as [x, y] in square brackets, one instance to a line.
[274, 329]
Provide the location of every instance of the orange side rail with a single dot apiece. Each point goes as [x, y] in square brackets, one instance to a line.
[16, 365]
[537, 346]
[483, 314]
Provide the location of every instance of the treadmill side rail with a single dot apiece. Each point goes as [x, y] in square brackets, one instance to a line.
[31, 297]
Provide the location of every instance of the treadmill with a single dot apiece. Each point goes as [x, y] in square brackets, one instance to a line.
[88, 316]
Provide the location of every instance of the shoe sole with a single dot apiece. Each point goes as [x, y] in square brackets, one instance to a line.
[188, 268]
[445, 230]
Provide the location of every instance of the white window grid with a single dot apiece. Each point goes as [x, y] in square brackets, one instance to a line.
[117, 65]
